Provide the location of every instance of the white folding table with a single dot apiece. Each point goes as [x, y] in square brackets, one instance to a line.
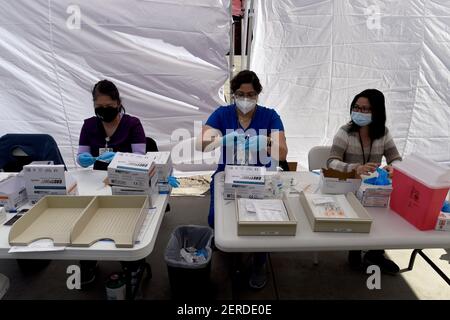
[389, 230]
[91, 182]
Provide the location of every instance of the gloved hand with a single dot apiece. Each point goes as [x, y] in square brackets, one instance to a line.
[85, 159]
[230, 138]
[106, 156]
[256, 143]
[173, 182]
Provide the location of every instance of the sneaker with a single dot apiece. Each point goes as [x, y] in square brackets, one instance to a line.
[258, 277]
[386, 265]
[354, 260]
[88, 272]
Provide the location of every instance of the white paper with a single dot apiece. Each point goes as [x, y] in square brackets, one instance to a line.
[262, 210]
[332, 207]
[42, 245]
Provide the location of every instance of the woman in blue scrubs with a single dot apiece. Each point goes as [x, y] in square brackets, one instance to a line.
[255, 130]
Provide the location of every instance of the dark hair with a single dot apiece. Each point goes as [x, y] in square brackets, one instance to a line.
[106, 88]
[246, 76]
[377, 128]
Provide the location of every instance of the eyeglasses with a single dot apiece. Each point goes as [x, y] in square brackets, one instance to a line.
[361, 109]
[251, 95]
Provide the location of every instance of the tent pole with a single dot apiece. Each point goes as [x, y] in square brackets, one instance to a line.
[250, 32]
[231, 56]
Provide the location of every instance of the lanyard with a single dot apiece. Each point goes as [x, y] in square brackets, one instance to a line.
[362, 149]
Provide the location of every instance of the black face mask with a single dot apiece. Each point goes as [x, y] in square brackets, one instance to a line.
[107, 114]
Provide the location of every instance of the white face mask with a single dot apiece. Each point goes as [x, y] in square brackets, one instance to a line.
[245, 105]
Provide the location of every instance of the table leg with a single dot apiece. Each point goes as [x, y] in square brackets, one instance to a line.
[431, 263]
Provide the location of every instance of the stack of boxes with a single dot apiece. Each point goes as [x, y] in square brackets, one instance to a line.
[374, 195]
[132, 174]
[164, 167]
[44, 178]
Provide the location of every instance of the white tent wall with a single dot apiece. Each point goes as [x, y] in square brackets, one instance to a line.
[167, 57]
[314, 56]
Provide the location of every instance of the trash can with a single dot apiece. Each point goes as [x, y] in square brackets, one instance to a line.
[190, 279]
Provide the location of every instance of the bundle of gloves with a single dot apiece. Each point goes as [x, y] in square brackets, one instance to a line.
[85, 159]
[381, 180]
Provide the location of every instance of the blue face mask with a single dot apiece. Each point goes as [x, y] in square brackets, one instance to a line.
[361, 119]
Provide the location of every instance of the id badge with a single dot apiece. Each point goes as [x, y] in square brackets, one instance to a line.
[103, 150]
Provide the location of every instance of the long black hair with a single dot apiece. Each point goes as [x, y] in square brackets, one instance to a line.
[377, 128]
[106, 88]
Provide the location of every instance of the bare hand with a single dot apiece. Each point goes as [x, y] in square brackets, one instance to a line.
[367, 169]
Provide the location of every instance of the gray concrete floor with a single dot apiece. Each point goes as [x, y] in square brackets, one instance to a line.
[291, 275]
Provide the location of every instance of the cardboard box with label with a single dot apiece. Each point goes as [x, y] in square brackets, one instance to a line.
[443, 222]
[336, 182]
[163, 164]
[131, 170]
[120, 190]
[43, 178]
[13, 193]
[246, 182]
[164, 168]
[373, 195]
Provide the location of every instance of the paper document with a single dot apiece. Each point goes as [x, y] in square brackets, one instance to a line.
[330, 206]
[262, 210]
[37, 246]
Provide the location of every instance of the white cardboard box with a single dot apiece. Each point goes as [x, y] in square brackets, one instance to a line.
[131, 170]
[120, 190]
[246, 182]
[333, 182]
[13, 193]
[374, 196]
[164, 187]
[163, 164]
[443, 222]
[42, 179]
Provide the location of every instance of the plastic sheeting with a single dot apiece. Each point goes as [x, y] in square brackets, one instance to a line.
[167, 57]
[314, 56]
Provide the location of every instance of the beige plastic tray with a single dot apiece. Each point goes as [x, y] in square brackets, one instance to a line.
[267, 228]
[362, 224]
[53, 217]
[117, 218]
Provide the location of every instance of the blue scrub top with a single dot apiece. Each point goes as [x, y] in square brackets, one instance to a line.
[225, 119]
